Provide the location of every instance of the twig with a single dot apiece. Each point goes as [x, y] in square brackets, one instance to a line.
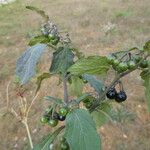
[52, 46]
[66, 100]
[27, 113]
[28, 133]
[7, 95]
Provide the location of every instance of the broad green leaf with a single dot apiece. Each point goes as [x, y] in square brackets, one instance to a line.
[53, 99]
[80, 131]
[147, 46]
[26, 64]
[102, 114]
[40, 79]
[39, 39]
[95, 83]
[45, 143]
[76, 86]
[62, 60]
[145, 75]
[91, 65]
[37, 10]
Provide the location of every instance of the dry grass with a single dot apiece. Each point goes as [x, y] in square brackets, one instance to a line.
[96, 27]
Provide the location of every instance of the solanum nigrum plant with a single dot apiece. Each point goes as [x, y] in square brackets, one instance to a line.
[76, 114]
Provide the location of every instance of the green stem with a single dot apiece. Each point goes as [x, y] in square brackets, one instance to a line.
[66, 100]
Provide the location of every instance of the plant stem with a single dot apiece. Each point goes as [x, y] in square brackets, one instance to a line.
[7, 95]
[28, 133]
[66, 100]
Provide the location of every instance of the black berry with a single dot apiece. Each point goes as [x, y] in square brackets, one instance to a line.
[120, 97]
[62, 118]
[111, 94]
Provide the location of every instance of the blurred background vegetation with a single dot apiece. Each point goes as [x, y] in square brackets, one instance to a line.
[96, 27]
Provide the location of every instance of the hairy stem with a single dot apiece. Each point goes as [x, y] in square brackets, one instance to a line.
[28, 133]
[66, 100]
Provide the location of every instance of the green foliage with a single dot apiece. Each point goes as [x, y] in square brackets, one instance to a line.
[147, 46]
[62, 60]
[37, 10]
[45, 143]
[39, 39]
[145, 75]
[102, 114]
[80, 131]
[26, 64]
[76, 86]
[40, 79]
[95, 83]
[90, 65]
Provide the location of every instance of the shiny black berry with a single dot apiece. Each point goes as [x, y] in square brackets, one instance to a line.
[111, 94]
[120, 97]
[62, 118]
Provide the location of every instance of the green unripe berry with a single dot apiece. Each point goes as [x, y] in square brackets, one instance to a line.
[144, 64]
[122, 67]
[63, 112]
[55, 41]
[51, 37]
[111, 58]
[137, 59]
[88, 105]
[115, 62]
[131, 64]
[64, 146]
[63, 139]
[53, 122]
[44, 119]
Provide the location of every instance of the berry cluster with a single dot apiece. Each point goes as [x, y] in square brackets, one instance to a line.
[127, 61]
[50, 30]
[52, 117]
[118, 96]
[64, 145]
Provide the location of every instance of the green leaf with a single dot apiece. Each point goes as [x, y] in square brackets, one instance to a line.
[80, 131]
[62, 60]
[41, 12]
[147, 46]
[102, 114]
[95, 83]
[76, 86]
[40, 79]
[39, 39]
[55, 100]
[26, 64]
[145, 75]
[92, 65]
[45, 143]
